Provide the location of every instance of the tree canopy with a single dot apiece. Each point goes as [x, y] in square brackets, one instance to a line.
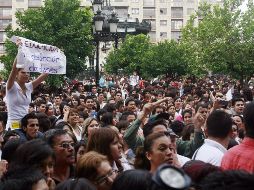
[137, 53]
[222, 42]
[62, 23]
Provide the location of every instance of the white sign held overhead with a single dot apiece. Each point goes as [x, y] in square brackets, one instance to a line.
[37, 57]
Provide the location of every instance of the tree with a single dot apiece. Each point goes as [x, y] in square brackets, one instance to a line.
[129, 56]
[164, 58]
[222, 41]
[61, 23]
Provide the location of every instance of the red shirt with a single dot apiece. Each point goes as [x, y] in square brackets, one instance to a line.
[240, 156]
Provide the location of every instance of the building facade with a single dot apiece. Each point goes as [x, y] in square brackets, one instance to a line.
[167, 17]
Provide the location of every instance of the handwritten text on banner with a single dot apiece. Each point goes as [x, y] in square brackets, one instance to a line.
[37, 57]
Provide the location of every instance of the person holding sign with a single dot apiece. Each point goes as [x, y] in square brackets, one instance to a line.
[18, 94]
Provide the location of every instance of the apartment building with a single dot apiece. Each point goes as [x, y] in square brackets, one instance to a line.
[167, 17]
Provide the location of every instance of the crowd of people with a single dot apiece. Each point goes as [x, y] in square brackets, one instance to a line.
[126, 133]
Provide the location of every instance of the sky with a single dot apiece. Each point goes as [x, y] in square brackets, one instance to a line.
[243, 7]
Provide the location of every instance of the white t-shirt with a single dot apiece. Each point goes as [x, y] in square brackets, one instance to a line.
[17, 102]
[210, 152]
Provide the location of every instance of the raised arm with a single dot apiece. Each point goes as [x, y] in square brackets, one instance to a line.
[39, 79]
[12, 75]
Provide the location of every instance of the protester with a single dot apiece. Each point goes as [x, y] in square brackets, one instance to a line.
[18, 94]
[219, 129]
[97, 169]
[240, 157]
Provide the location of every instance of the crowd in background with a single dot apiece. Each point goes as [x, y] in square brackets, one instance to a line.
[126, 132]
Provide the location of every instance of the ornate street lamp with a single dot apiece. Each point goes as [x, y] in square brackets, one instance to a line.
[107, 27]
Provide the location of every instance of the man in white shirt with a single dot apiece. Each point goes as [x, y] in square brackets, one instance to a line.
[219, 130]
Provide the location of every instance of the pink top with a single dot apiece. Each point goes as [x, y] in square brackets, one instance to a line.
[240, 156]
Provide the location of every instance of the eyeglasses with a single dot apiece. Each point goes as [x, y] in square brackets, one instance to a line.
[67, 145]
[103, 179]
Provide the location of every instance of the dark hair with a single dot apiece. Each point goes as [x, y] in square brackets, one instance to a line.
[248, 119]
[88, 98]
[10, 147]
[32, 153]
[141, 161]
[219, 124]
[198, 170]
[234, 100]
[24, 120]
[247, 94]
[123, 124]
[50, 138]
[148, 128]
[21, 179]
[202, 105]
[132, 179]
[129, 100]
[126, 114]
[177, 127]
[186, 111]
[231, 179]
[44, 122]
[187, 131]
[75, 184]
[110, 107]
[107, 119]
[158, 107]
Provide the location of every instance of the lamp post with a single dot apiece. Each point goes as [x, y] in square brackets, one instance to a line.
[107, 27]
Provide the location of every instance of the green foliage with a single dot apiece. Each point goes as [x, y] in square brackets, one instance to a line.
[222, 42]
[150, 60]
[164, 58]
[129, 56]
[61, 23]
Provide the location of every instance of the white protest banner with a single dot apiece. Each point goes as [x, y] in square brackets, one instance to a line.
[37, 57]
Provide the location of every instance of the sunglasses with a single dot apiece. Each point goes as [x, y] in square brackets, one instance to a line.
[67, 145]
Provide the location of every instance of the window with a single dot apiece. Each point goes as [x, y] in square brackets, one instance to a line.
[175, 35]
[163, 22]
[121, 12]
[152, 36]
[190, 11]
[176, 12]
[34, 3]
[5, 12]
[149, 13]
[2, 36]
[135, 1]
[163, 11]
[19, 0]
[135, 11]
[176, 24]
[163, 1]
[6, 3]
[149, 3]
[163, 35]
[4, 23]
[2, 48]
[118, 0]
